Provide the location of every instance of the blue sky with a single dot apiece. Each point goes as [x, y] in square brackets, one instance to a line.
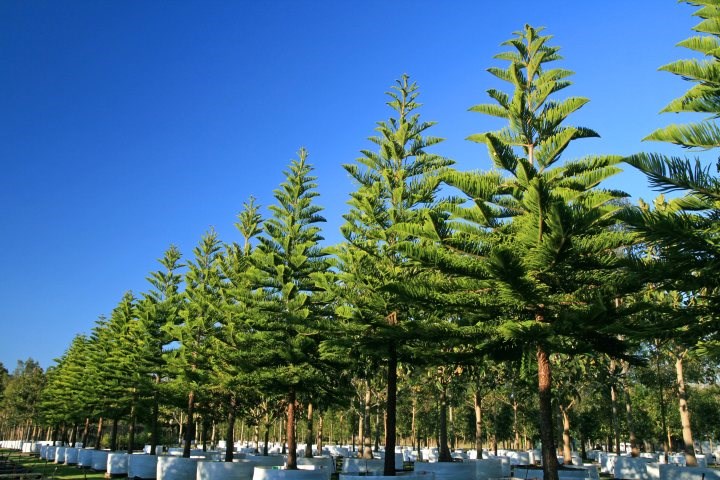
[129, 126]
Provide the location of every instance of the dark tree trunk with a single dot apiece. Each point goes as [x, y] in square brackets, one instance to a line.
[290, 432]
[114, 434]
[477, 399]
[309, 432]
[230, 433]
[86, 432]
[267, 437]
[98, 438]
[189, 425]
[390, 418]
[444, 450]
[549, 456]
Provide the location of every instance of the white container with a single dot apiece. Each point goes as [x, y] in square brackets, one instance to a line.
[362, 465]
[269, 461]
[60, 455]
[85, 457]
[117, 463]
[270, 473]
[401, 475]
[449, 470]
[142, 466]
[176, 468]
[50, 453]
[236, 470]
[675, 472]
[71, 456]
[99, 460]
[486, 468]
[324, 463]
[631, 468]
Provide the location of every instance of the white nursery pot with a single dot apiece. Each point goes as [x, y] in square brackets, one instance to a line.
[449, 470]
[142, 466]
[85, 458]
[71, 456]
[117, 463]
[176, 468]
[242, 470]
[271, 473]
[99, 460]
[60, 455]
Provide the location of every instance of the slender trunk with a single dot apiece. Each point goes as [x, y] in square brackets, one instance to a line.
[689, 447]
[73, 435]
[413, 431]
[98, 438]
[367, 439]
[309, 432]
[444, 450]
[230, 432]
[549, 457]
[319, 438]
[131, 431]
[663, 411]
[391, 412]
[516, 442]
[86, 432]
[567, 450]
[267, 436]
[291, 441]
[154, 420]
[613, 403]
[634, 449]
[114, 434]
[477, 399]
[204, 436]
[189, 423]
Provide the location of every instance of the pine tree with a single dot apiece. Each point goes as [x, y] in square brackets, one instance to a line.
[532, 243]
[393, 184]
[201, 314]
[291, 264]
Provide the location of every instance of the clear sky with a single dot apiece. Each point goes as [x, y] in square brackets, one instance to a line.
[127, 126]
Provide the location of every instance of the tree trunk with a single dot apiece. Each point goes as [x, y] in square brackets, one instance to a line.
[86, 433]
[189, 422]
[131, 430]
[391, 412]
[634, 449]
[291, 440]
[567, 449]
[663, 410]
[477, 399]
[547, 436]
[99, 434]
[616, 420]
[444, 455]
[309, 432]
[319, 438]
[230, 432]
[367, 439]
[266, 450]
[114, 434]
[689, 446]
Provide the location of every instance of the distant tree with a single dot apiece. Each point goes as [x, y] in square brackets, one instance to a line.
[292, 264]
[22, 396]
[158, 312]
[201, 313]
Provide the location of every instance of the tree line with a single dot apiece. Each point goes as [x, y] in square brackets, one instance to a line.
[519, 305]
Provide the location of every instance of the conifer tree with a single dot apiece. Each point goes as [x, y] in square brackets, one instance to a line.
[201, 314]
[291, 265]
[393, 184]
[533, 240]
[158, 311]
